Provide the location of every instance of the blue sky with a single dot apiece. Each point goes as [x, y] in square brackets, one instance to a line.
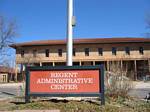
[46, 19]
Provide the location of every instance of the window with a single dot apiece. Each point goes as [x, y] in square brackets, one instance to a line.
[74, 52]
[22, 53]
[60, 52]
[114, 51]
[86, 51]
[47, 52]
[34, 53]
[4, 78]
[127, 50]
[141, 50]
[100, 51]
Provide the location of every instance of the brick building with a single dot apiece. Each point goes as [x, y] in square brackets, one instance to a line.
[132, 53]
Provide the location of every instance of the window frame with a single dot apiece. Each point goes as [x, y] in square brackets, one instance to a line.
[100, 51]
[74, 52]
[22, 53]
[87, 51]
[46, 52]
[141, 50]
[114, 51]
[34, 53]
[60, 52]
[127, 50]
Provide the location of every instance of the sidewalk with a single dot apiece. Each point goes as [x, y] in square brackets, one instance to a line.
[12, 84]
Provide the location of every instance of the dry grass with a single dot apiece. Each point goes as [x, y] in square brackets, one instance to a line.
[112, 105]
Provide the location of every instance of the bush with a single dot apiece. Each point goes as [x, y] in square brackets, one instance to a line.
[116, 82]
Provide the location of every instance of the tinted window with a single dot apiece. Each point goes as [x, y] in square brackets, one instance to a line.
[60, 52]
[114, 51]
[86, 51]
[74, 52]
[47, 52]
[34, 53]
[141, 50]
[127, 50]
[100, 51]
[22, 53]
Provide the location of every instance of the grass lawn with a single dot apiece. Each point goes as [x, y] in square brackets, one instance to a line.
[112, 105]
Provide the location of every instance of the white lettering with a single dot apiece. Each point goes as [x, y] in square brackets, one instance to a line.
[64, 87]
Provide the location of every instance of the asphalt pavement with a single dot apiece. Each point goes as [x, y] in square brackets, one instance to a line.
[140, 89]
[10, 90]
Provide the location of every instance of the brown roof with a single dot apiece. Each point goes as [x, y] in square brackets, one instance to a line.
[4, 69]
[82, 41]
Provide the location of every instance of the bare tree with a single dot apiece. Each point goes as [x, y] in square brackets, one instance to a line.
[28, 60]
[7, 34]
[116, 81]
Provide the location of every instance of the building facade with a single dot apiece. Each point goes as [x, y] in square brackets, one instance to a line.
[131, 53]
[6, 74]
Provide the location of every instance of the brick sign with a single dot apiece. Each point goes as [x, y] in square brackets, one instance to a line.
[64, 81]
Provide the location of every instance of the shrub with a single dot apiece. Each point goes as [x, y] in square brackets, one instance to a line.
[116, 81]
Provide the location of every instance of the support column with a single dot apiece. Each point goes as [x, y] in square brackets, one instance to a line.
[108, 66]
[135, 70]
[16, 72]
[121, 65]
[149, 65]
[53, 63]
[93, 63]
[40, 63]
[80, 63]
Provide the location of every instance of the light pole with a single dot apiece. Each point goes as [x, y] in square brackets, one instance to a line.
[69, 33]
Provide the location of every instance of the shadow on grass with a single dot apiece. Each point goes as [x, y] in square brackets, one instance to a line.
[18, 103]
[92, 102]
[50, 100]
[55, 101]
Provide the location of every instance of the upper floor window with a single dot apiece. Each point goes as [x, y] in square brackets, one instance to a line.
[127, 50]
[34, 53]
[22, 53]
[60, 52]
[74, 52]
[100, 51]
[114, 51]
[86, 51]
[47, 52]
[141, 50]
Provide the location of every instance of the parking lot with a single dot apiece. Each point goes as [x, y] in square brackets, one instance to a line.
[140, 89]
[11, 90]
